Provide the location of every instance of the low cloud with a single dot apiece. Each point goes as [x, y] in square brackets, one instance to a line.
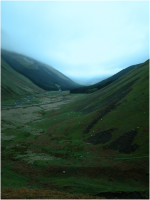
[80, 39]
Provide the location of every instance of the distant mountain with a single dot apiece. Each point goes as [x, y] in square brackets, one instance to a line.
[105, 82]
[95, 80]
[44, 76]
[85, 81]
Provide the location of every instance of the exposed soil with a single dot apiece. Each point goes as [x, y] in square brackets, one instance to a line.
[123, 143]
[100, 138]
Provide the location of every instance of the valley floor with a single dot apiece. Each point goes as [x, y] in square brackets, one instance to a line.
[44, 155]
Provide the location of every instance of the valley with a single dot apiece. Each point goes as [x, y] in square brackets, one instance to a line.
[63, 145]
[75, 100]
[35, 100]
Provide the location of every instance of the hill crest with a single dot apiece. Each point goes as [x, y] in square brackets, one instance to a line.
[44, 76]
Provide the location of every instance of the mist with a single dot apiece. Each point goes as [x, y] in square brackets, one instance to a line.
[83, 39]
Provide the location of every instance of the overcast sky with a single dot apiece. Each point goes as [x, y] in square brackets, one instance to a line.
[81, 39]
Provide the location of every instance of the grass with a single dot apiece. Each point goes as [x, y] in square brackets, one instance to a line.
[47, 149]
[43, 75]
[15, 85]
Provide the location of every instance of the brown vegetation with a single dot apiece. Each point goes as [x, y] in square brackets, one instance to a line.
[25, 193]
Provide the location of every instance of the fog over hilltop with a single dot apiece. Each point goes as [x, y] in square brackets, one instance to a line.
[81, 39]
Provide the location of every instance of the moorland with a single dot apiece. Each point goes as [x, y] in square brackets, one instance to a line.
[55, 144]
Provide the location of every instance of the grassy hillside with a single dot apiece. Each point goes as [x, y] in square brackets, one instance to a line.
[101, 84]
[93, 144]
[14, 84]
[40, 74]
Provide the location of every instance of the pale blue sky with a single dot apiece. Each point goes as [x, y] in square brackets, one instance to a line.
[81, 39]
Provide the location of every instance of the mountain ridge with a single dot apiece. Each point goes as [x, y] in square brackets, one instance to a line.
[41, 74]
[106, 81]
[14, 84]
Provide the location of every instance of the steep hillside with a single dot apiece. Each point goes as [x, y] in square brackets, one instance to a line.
[121, 109]
[14, 84]
[95, 144]
[40, 74]
[105, 82]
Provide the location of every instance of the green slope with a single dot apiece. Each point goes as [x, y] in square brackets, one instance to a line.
[101, 84]
[122, 108]
[99, 143]
[42, 75]
[14, 84]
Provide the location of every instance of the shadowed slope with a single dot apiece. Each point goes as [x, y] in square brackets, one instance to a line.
[13, 84]
[46, 77]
